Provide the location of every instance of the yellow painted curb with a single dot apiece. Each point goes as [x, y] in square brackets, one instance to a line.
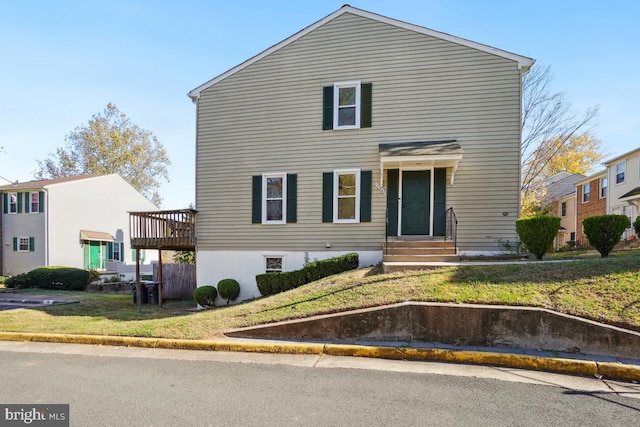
[619, 371]
[609, 370]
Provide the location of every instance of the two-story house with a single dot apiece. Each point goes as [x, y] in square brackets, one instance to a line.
[357, 130]
[623, 176]
[592, 195]
[79, 221]
[560, 200]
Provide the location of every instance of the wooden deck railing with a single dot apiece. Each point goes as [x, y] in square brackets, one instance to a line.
[174, 230]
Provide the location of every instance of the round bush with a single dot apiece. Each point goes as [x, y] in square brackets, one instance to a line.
[205, 296]
[537, 233]
[636, 226]
[604, 231]
[229, 289]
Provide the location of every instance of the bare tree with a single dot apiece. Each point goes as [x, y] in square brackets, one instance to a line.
[548, 124]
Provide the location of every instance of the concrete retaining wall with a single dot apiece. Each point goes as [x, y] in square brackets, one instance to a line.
[460, 324]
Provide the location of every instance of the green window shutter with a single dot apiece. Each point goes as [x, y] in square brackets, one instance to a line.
[327, 197]
[110, 251]
[392, 201]
[41, 201]
[121, 252]
[19, 202]
[5, 202]
[133, 254]
[15, 244]
[256, 204]
[440, 201]
[327, 107]
[292, 197]
[365, 105]
[365, 196]
[143, 254]
[32, 244]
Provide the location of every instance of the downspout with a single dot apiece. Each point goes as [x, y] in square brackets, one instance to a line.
[46, 227]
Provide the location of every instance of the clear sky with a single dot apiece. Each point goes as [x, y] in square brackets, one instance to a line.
[61, 62]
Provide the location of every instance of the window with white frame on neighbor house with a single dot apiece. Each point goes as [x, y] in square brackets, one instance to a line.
[23, 244]
[586, 193]
[13, 203]
[34, 202]
[620, 172]
[563, 209]
[604, 182]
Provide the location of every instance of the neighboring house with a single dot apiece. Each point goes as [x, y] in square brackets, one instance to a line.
[591, 193]
[356, 130]
[79, 221]
[560, 199]
[623, 174]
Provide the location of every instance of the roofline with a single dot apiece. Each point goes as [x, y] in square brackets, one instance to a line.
[46, 183]
[622, 156]
[524, 63]
[591, 177]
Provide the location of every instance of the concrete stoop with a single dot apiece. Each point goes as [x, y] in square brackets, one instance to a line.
[403, 255]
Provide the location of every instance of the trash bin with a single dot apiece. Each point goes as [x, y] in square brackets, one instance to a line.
[144, 294]
[153, 292]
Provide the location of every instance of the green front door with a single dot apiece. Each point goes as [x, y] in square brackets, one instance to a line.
[95, 255]
[416, 203]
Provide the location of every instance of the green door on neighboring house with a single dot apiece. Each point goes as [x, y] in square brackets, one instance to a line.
[416, 203]
[95, 255]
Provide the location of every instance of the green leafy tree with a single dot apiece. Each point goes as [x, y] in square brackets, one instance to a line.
[537, 233]
[184, 257]
[111, 143]
[605, 231]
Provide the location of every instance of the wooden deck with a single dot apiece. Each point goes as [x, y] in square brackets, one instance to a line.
[163, 230]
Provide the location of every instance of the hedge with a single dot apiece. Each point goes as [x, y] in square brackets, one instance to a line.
[58, 278]
[273, 283]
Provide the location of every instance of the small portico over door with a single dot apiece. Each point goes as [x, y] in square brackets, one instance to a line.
[416, 183]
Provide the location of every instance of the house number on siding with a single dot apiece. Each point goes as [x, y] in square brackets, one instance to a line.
[381, 188]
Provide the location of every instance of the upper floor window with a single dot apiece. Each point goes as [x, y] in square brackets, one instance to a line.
[13, 203]
[586, 193]
[563, 209]
[620, 171]
[347, 105]
[604, 182]
[34, 202]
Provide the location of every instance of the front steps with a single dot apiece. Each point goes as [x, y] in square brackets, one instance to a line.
[417, 255]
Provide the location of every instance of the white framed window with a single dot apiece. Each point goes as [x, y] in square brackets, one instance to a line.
[274, 200]
[346, 194]
[117, 255]
[621, 169]
[563, 209]
[23, 244]
[273, 263]
[586, 192]
[604, 182]
[346, 108]
[13, 203]
[34, 202]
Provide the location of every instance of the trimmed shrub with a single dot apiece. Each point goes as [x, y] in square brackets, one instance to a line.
[273, 283]
[636, 225]
[229, 289]
[205, 296]
[58, 278]
[537, 233]
[604, 231]
[19, 281]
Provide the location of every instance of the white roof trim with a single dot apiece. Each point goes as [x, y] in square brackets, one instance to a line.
[524, 62]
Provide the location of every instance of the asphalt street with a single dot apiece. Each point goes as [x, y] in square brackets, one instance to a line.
[107, 386]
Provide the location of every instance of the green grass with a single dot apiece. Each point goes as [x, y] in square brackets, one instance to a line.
[606, 290]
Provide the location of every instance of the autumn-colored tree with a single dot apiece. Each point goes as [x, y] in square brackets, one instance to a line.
[578, 154]
[111, 143]
[548, 129]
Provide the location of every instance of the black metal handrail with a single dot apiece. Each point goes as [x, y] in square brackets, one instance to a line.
[451, 232]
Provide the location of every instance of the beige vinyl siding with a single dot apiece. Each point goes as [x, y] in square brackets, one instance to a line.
[268, 118]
